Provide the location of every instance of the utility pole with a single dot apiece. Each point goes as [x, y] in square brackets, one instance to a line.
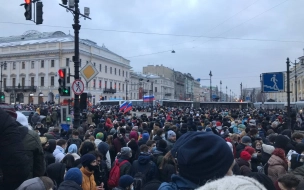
[241, 91]
[296, 81]
[226, 97]
[220, 91]
[76, 27]
[152, 100]
[288, 93]
[126, 89]
[210, 74]
[230, 95]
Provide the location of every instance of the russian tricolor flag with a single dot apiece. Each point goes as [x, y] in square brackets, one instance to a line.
[128, 108]
[123, 106]
[149, 98]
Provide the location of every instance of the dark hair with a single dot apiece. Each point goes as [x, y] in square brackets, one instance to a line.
[297, 135]
[144, 148]
[61, 142]
[289, 181]
[75, 132]
[56, 129]
[69, 161]
[253, 131]
[86, 147]
[96, 154]
[150, 142]
[157, 124]
[159, 132]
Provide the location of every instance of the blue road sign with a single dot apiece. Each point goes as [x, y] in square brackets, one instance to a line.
[273, 82]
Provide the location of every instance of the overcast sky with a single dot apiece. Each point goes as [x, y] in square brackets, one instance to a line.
[231, 60]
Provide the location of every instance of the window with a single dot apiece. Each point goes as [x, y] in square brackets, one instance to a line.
[23, 82]
[115, 85]
[118, 86]
[100, 67]
[4, 82]
[42, 63]
[67, 62]
[32, 64]
[123, 87]
[123, 73]
[42, 81]
[5, 66]
[23, 65]
[119, 72]
[14, 65]
[32, 81]
[87, 84]
[13, 81]
[110, 70]
[105, 84]
[99, 83]
[87, 62]
[52, 81]
[110, 84]
[126, 74]
[79, 62]
[52, 63]
[106, 69]
[155, 89]
[94, 83]
[94, 64]
[114, 71]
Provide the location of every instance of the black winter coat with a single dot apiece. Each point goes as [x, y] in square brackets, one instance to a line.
[239, 148]
[48, 152]
[13, 158]
[69, 185]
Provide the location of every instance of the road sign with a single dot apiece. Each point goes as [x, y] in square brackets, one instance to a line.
[89, 72]
[78, 87]
[273, 82]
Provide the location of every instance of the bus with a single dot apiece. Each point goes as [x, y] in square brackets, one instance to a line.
[228, 105]
[175, 103]
[119, 102]
[278, 105]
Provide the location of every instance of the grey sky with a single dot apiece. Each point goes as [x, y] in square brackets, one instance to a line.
[232, 61]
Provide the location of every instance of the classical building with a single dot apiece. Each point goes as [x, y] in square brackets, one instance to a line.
[189, 80]
[141, 84]
[179, 85]
[30, 63]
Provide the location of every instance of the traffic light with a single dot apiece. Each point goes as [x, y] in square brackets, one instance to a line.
[28, 9]
[2, 97]
[64, 2]
[39, 13]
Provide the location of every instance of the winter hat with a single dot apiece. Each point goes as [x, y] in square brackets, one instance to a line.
[125, 181]
[161, 145]
[103, 148]
[126, 151]
[87, 159]
[133, 135]
[21, 119]
[245, 155]
[281, 141]
[145, 136]
[216, 160]
[47, 182]
[72, 148]
[170, 134]
[112, 131]
[249, 149]
[74, 174]
[246, 139]
[218, 124]
[230, 146]
[100, 136]
[236, 182]
[267, 148]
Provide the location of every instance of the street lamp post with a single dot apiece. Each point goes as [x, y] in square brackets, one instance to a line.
[210, 74]
[296, 81]
[241, 91]
[220, 91]
[230, 95]
[126, 89]
[226, 97]
[288, 93]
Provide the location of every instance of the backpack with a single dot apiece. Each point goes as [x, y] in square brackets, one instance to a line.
[140, 178]
[261, 169]
[115, 174]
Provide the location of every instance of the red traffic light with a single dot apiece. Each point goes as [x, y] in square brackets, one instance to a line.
[61, 73]
[28, 1]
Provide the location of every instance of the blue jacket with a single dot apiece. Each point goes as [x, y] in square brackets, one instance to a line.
[178, 182]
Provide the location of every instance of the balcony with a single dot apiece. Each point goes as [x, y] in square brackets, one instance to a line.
[20, 88]
[109, 90]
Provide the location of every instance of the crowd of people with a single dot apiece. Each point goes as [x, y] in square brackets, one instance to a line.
[176, 148]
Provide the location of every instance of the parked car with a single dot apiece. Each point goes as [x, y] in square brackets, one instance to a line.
[28, 113]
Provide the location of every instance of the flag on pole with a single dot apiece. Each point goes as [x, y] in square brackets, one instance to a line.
[149, 98]
[123, 106]
[128, 108]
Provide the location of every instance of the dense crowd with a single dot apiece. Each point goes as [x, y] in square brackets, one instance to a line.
[176, 148]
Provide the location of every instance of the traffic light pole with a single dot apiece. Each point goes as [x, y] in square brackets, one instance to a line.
[76, 27]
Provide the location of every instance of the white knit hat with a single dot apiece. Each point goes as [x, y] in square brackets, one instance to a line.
[267, 148]
[233, 183]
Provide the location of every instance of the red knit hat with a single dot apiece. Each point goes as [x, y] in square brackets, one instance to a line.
[245, 156]
[218, 124]
[249, 149]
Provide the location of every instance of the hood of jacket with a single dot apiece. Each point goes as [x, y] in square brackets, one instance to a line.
[52, 146]
[299, 171]
[69, 185]
[241, 162]
[97, 141]
[56, 172]
[34, 183]
[144, 159]
[178, 182]
[275, 160]
[58, 150]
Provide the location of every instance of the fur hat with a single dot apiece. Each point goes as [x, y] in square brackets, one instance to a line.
[237, 182]
[267, 148]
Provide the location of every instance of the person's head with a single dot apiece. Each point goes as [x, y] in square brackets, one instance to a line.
[171, 135]
[297, 137]
[75, 134]
[86, 147]
[126, 182]
[100, 136]
[72, 148]
[246, 140]
[62, 143]
[98, 156]
[126, 152]
[144, 149]
[245, 156]
[159, 132]
[258, 145]
[110, 139]
[234, 138]
[69, 161]
[38, 125]
[156, 126]
[151, 144]
[74, 174]
[89, 162]
[288, 182]
[217, 158]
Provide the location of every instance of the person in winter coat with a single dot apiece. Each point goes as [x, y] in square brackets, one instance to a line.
[32, 146]
[59, 152]
[37, 183]
[49, 148]
[121, 140]
[103, 148]
[245, 141]
[159, 152]
[125, 154]
[56, 172]
[90, 118]
[109, 123]
[72, 150]
[167, 168]
[277, 164]
[171, 138]
[13, 155]
[244, 163]
[35, 119]
[89, 164]
[144, 139]
[125, 183]
[72, 180]
[74, 139]
[54, 117]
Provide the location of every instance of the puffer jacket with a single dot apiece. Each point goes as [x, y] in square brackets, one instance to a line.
[299, 172]
[58, 153]
[276, 167]
[69, 185]
[245, 168]
[88, 182]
